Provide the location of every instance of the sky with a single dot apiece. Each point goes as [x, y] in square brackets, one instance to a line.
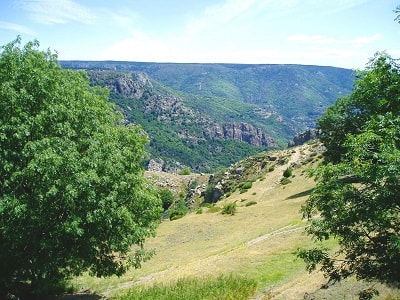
[340, 33]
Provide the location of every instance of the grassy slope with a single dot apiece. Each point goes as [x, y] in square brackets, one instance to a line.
[258, 242]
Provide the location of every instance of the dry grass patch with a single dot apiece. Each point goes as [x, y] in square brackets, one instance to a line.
[258, 243]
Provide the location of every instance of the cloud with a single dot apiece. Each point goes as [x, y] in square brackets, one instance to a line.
[325, 40]
[16, 27]
[57, 11]
[138, 47]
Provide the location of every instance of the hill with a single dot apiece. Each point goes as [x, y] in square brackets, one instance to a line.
[258, 242]
[207, 116]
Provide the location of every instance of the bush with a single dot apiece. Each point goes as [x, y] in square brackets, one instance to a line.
[193, 184]
[250, 203]
[285, 181]
[229, 208]
[288, 172]
[178, 211]
[185, 171]
[246, 185]
[209, 193]
[167, 198]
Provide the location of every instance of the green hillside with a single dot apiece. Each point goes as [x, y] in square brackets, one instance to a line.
[255, 247]
[192, 112]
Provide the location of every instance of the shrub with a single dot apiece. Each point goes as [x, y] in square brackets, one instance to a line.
[246, 185]
[229, 208]
[250, 203]
[185, 171]
[288, 172]
[285, 181]
[193, 184]
[208, 194]
[167, 198]
[178, 211]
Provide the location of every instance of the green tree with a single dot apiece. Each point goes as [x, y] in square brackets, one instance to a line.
[72, 192]
[167, 197]
[397, 12]
[356, 199]
[374, 93]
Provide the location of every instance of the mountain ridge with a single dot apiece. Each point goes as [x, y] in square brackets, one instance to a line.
[206, 116]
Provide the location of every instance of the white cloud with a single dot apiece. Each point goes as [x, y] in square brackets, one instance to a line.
[20, 29]
[248, 31]
[138, 47]
[57, 11]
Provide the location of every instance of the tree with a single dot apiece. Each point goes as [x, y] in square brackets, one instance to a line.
[167, 198]
[374, 93]
[72, 192]
[397, 12]
[356, 198]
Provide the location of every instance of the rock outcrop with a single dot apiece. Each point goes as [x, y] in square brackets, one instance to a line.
[241, 132]
[304, 137]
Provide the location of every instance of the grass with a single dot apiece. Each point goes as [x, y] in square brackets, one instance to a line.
[199, 252]
[222, 287]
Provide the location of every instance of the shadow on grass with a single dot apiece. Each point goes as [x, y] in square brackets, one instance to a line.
[78, 296]
[301, 194]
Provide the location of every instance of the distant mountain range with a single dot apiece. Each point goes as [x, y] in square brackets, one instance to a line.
[207, 116]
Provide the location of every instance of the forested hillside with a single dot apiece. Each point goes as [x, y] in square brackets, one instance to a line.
[206, 116]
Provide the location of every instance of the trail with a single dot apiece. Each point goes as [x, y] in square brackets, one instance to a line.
[283, 230]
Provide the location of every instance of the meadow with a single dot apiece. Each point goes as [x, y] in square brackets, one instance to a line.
[250, 254]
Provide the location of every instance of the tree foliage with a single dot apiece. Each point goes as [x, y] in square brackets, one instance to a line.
[72, 192]
[356, 199]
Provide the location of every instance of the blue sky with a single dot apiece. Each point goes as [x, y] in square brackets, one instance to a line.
[342, 33]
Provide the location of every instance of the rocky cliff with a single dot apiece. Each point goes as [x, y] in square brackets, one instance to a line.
[137, 86]
[208, 116]
[241, 132]
[303, 137]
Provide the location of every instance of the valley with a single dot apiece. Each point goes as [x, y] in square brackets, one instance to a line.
[209, 116]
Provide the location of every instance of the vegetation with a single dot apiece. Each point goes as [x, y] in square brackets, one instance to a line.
[229, 208]
[185, 171]
[178, 210]
[288, 172]
[356, 196]
[222, 287]
[221, 93]
[167, 197]
[285, 181]
[72, 193]
[244, 186]
[250, 203]
[202, 247]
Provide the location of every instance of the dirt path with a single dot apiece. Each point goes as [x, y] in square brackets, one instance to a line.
[284, 230]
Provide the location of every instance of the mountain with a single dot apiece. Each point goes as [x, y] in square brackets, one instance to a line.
[206, 116]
